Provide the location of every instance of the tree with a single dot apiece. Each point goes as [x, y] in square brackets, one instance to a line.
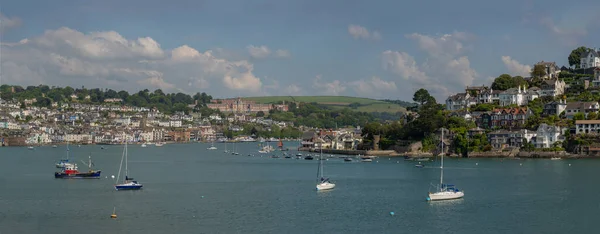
[260, 114]
[422, 96]
[579, 116]
[503, 82]
[538, 71]
[575, 56]
[592, 116]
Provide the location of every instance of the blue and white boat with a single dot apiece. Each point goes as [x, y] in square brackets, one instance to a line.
[444, 191]
[129, 183]
[64, 163]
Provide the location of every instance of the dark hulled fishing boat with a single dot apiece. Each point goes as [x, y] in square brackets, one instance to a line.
[70, 171]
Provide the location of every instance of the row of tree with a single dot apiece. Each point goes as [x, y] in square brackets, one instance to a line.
[46, 95]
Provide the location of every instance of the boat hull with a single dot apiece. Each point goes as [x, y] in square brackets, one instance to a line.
[80, 175]
[445, 195]
[128, 187]
[325, 186]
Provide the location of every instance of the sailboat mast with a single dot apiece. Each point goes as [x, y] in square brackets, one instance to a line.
[126, 159]
[321, 159]
[442, 159]
[68, 151]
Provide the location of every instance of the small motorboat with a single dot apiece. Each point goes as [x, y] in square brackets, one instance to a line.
[144, 145]
[347, 159]
[556, 158]
[30, 148]
[419, 166]
[54, 146]
[274, 156]
[366, 159]
[308, 157]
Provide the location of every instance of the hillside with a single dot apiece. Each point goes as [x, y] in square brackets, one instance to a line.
[360, 104]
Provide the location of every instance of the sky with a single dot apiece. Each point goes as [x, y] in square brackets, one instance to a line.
[228, 48]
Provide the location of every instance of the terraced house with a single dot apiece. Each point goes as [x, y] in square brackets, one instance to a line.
[504, 118]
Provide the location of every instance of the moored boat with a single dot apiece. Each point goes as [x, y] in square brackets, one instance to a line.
[71, 172]
[129, 183]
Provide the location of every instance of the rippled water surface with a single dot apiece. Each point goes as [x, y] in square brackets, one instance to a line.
[188, 189]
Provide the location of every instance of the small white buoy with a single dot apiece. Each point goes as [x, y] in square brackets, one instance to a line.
[520, 164]
[105, 177]
[392, 213]
[476, 164]
[202, 196]
[569, 164]
[389, 159]
[112, 176]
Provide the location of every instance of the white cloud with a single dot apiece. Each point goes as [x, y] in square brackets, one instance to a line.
[334, 88]
[516, 68]
[156, 82]
[282, 54]
[108, 60]
[8, 23]
[292, 90]
[360, 32]
[374, 87]
[445, 70]
[259, 51]
[98, 45]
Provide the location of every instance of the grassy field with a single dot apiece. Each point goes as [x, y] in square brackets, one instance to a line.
[366, 104]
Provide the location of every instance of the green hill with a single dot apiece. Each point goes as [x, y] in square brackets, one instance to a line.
[364, 104]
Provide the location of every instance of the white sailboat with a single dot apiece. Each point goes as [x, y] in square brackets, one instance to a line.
[212, 146]
[129, 183]
[444, 191]
[234, 151]
[63, 163]
[226, 151]
[323, 183]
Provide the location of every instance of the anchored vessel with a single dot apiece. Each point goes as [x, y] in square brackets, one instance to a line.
[70, 172]
[444, 191]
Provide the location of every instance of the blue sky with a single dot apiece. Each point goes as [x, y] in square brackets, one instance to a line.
[376, 49]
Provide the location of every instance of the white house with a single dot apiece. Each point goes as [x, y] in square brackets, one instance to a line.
[81, 138]
[488, 96]
[460, 101]
[552, 88]
[513, 96]
[215, 117]
[590, 59]
[175, 123]
[146, 136]
[587, 126]
[581, 107]
[547, 135]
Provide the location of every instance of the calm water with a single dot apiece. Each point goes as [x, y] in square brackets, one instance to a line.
[188, 189]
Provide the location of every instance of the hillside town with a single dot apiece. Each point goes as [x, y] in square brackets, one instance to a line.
[540, 112]
[112, 122]
[553, 110]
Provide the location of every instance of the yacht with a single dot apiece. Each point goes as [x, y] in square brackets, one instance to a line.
[444, 191]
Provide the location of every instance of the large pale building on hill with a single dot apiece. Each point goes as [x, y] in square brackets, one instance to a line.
[239, 105]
